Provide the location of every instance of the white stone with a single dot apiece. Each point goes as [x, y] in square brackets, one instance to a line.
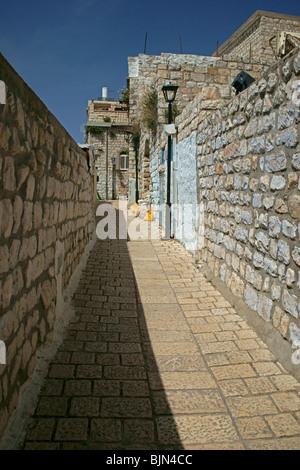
[289, 229]
[274, 226]
[296, 255]
[283, 252]
[290, 303]
[277, 182]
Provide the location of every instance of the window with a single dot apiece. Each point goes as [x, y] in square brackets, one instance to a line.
[124, 161]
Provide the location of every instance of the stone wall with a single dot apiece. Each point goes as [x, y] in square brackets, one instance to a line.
[194, 74]
[248, 168]
[244, 223]
[46, 221]
[205, 79]
[144, 166]
[208, 79]
[204, 85]
[155, 159]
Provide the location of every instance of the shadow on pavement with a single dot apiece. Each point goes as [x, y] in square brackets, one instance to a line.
[97, 394]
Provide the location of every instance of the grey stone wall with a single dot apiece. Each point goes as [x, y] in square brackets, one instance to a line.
[248, 180]
[46, 221]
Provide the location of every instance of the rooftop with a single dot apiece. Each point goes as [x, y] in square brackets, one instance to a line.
[249, 23]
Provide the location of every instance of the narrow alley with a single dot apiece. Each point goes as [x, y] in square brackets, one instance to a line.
[113, 335]
[157, 359]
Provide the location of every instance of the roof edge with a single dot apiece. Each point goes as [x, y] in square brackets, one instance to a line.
[253, 18]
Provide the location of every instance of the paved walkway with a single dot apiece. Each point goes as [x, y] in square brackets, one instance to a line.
[157, 359]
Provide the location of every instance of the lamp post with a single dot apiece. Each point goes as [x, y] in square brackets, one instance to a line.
[169, 92]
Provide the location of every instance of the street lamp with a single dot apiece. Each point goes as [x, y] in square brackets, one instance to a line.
[169, 92]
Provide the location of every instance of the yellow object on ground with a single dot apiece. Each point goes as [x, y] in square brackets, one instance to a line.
[149, 215]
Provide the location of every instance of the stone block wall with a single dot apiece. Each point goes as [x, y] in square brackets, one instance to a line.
[248, 178]
[206, 79]
[46, 221]
[144, 165]
[194, 74]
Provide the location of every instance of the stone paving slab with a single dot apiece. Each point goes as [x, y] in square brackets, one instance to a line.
[156, 358]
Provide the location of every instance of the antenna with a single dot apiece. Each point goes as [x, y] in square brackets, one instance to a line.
[145, 47]
[180, 45]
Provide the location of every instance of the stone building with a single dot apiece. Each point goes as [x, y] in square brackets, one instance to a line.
[262, 36]
[109, 139]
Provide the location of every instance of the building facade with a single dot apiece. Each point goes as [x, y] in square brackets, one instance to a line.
[109, 139]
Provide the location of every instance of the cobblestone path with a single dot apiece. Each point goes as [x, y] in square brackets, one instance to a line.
[157, 359]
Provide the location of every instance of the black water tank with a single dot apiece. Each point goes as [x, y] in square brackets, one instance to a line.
[242, 81]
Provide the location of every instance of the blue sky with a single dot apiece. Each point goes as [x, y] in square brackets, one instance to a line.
[67, 50]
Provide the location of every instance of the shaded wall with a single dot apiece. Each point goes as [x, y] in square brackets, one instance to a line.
[46, 221]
